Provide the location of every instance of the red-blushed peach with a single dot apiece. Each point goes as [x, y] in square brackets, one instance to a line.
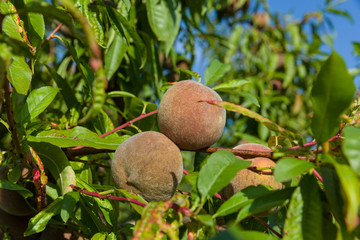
[148, 164]
[186, 120]
[245, 177]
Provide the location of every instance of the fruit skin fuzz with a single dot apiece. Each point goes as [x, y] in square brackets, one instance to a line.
[148, 164]
[188, 121]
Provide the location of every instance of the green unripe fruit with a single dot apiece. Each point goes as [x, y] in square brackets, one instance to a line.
[148, 164]
[187, 121]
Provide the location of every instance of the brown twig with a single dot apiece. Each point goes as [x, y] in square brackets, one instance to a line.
[52, 35]
[10, 116]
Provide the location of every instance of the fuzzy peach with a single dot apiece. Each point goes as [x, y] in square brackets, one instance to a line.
[148, 164]
[186, 120]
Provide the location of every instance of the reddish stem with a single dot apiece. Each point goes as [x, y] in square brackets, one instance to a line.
[317, 175]
[52, 35]
[101, 196]
[129, 123]
[124, 125]
[267, 225]
[314, 143]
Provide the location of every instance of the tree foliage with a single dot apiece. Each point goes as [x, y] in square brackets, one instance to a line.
[79, 77]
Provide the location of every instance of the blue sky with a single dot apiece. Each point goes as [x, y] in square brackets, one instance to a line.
[346, 31]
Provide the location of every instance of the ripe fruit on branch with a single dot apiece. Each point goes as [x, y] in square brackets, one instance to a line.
[245, 177]
[187, 121]
[11, 201]
[148, 164]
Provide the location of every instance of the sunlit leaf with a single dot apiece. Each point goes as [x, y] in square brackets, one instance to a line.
[332, 93]
[40, 221]
[37, 101]
[287, 168]
[77, 136]
[220, 168]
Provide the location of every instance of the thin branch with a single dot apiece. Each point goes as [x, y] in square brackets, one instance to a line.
[52, 35]
[174, 206]
[10, 116]
[267, 226]
[129, 123]
[108, 196]
[317, 175]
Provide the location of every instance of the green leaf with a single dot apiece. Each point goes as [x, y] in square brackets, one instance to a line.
[287, 168]
[356, 46]
[39, 222]
[164, 18]
[50, 11]
[236, 234]
[120, 94]
[4, 184]
[350, 191]
[55, 160]
[215, 71]
[218, 171]
[312, 210]
[264, 203]
[351, 147]
[65, 89]
[137, 208]
[9, 28]
[77, 136]
[68, 205]
[230, 84]
[99, 236]
[36, 29]
[117, 22]
[290, 69]
[103, 205]
[37, 101]
[248, 113]
[332, 93]
[232, 205]
[111, 236]
[114, 55]
[20, 75]
[293, 221]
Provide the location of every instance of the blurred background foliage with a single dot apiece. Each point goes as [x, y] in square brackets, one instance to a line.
[111, 61]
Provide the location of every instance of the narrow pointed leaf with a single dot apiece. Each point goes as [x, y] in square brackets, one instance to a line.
[20, 75]
[292, 228]
[77, 136]
[39, 222]
[351, 147]
[232, 205]
[332, 93]
[118, 21]
[350, 191]
[220, 168]
[215, 71]
[65, 89]
[164, 18]
[312, 209]
[248, 113]
[287, 168]
[37, 101]
[56, 162]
